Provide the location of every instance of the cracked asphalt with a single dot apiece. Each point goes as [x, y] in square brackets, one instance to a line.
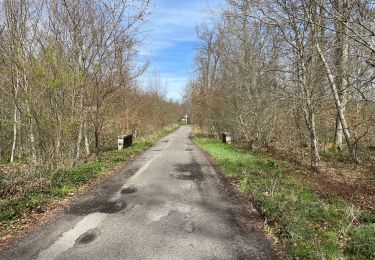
[170, 202]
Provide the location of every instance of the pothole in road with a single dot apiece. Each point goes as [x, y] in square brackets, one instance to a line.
[87, 237]
[186, 176]
[165, 141]
[189, 150]
[157, 150]
[129, 190]
[190, 171]
[188, 227]
[113, 207]
[90, 207]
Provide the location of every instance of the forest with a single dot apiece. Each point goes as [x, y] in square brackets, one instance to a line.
[70, 80]
[295, 76]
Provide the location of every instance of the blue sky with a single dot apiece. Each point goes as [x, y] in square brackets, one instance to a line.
[170, 40]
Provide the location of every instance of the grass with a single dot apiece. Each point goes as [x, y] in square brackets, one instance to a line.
[331, 154]
[56, 184]
[180, 123]
[308, 227]
[49, 186]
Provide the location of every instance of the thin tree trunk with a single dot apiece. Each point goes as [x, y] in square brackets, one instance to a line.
[14, 134]
[80, 130]
[15, 119]
[79, 140]
[342, 53]
[19, 139]
[339, 106]
[87, 146]
[308, 111]
[30, 121]
[315, 158]
[96, 136]
[32, 141]
[127, 118]
[58, 130]
[337, 144]
[300, 134]
[310, 123]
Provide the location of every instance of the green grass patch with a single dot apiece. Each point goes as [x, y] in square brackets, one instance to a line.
[180, 123]
[309, 227]
[59, 183]
[333, 154]
[362, 242]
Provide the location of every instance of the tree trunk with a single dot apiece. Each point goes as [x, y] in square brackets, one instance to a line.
[80, 130]
[96, 136]
[15, 119]
[32, 141]
[339, 106]
[309, 117]
[30, 121]
[337, 144]
[14, 141]
[315, 158]
[341, 53]
[79, 140]
[87, 146]
[308, 108]
[58, 130]
[20, 146]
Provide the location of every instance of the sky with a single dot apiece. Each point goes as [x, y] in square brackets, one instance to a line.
[170, 41]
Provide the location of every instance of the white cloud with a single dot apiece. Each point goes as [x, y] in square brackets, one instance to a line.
[173, 22]
[170, 38]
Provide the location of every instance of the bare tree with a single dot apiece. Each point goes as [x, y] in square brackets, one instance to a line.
[267, 69]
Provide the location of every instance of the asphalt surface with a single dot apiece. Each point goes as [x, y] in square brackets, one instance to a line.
[168, 203]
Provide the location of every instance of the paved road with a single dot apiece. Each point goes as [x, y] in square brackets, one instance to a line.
[168, 203]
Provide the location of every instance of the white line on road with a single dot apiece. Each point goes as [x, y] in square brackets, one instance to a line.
[140, 171]
[68, 239]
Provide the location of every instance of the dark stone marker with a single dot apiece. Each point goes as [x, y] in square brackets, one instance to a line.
[226, 137]
[124, 141]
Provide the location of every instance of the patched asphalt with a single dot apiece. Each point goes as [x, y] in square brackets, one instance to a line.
[171, 202]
